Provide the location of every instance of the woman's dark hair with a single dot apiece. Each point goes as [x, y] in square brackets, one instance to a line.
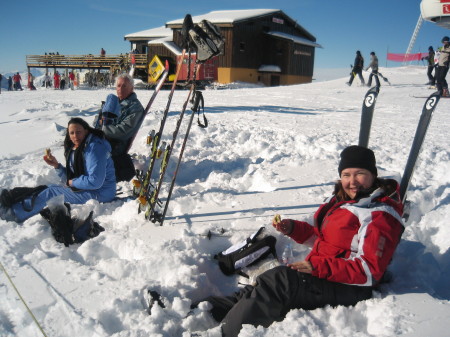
[80, 121]
[387, 185]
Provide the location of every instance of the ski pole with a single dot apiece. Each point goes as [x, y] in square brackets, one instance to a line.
[174, 178]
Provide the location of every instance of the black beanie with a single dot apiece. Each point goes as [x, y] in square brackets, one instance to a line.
[358, 157]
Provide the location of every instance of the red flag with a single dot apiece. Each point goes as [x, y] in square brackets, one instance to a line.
[405, 57]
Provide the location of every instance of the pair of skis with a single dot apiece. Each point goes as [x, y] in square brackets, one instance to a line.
[146, 192]
[142, 186]
[154, 210]
[419, 137]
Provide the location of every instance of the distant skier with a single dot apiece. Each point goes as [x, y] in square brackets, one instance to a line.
[374, 65]
[1, 77]
[442, 69]
[71, 80]
[56, 78]
[10, 83]
[31, 82]
[358, 66]
[431, 65]
[17, 78]
[47, 81]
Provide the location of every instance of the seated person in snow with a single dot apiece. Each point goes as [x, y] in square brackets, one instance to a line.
[120, 131]
[353, 239]
[89, 172]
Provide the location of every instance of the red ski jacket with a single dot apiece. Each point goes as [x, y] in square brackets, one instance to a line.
[353, 241]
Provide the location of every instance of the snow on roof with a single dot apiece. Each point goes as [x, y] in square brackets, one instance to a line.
[169, 44]
[158, 32]
[228, 16]
[296, 39]
[270, 68]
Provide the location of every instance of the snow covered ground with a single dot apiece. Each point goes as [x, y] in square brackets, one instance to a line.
[266, 151]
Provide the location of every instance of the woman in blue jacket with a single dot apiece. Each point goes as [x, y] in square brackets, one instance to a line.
[89, 172]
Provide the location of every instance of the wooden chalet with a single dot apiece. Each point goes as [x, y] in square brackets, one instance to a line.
[261, 46]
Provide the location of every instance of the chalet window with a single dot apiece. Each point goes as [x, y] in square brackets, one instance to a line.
[242, 46]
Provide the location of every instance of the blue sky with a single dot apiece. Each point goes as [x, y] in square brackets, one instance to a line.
[85, 26]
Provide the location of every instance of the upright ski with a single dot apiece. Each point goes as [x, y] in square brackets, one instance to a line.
[141, 186]
[367, 115]
[151, 213]
[158, 87]
[422, 127]
[174, 177]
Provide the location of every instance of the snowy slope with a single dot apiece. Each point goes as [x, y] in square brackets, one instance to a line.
[266, 151]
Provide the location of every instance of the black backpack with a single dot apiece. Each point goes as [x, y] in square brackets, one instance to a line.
[246, 253]
[19, 194]
[68, 230]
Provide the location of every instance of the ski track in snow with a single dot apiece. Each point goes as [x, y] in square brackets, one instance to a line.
[266, 151]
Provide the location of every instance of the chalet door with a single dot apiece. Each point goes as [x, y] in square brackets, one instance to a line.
[274, 80]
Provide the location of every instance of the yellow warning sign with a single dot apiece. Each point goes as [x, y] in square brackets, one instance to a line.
[155, 69]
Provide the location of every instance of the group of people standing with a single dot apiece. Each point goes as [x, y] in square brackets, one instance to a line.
[439, 62]
[358, 67]
[14, 82]
[59, 80]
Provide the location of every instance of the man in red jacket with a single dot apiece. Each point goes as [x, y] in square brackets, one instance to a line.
[353, 239]
[17, 78]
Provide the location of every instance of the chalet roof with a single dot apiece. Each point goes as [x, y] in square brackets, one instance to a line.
[230, 17]
[154, 33]
[226, 17]
[169, 44]
[295, 39]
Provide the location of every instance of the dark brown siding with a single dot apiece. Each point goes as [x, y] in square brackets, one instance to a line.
[249, 46]
[253, 47]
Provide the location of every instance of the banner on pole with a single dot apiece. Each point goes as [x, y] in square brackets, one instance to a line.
[405, 57]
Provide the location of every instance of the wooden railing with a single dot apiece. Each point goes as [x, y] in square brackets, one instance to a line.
[86, 61]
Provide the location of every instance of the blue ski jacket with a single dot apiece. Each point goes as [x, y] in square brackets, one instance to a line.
[99, 177]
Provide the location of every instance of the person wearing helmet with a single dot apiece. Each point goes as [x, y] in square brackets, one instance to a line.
[358, 66]
[442, 68]
[431, 65]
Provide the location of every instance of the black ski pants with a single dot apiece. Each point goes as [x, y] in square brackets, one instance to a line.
[431, 79]
[441, 82]
[372, 74]
[356, 71]
[277, 291]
